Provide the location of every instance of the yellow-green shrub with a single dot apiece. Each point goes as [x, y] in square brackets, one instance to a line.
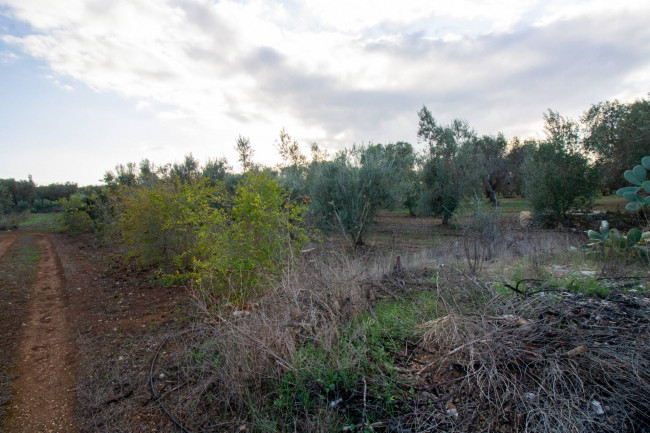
[227, 246]
[261, 236]
[75, 214]
[161, 224]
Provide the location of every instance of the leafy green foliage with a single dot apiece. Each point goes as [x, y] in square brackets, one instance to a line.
[558, 177]
[193, 228]
[618, 135]
[76, 214]
[6, 199]
[449, 171]
[253, 241]
[124, 175]
[516, 158]
[246, 152]
[490, 154]
[293, 169]
[215, 170]
[635, 242]
[404, 185]
[23, 195]
[160, 224]
[345, 193]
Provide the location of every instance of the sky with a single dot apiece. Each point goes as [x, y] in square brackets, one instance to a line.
[88, 84]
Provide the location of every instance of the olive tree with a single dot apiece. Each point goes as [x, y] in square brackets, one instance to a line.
[558, 176]
[492, 165]
[346, 192]
[449, 171]
[618, 134]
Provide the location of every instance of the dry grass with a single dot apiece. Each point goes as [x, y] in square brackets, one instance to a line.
[547, 363]
[228, 363]
[485, 360]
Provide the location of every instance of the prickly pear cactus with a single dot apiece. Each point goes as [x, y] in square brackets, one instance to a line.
[635, 242]
[637, 177]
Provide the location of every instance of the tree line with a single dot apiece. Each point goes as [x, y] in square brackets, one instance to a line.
[22, 195]
[563, 171]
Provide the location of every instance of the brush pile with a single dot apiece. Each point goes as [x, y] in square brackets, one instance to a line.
[551, 362]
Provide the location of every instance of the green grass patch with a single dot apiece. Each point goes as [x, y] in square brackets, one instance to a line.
[395, 322]
[42, 221]
[611, 203]
[361, 361]
[514, 205]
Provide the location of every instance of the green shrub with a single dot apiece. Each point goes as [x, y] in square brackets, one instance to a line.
[75, 214]
[162, 223]
[262, 233]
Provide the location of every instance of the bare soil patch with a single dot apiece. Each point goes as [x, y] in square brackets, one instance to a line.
[119, 314]
[6, 241]
[78, 330]
[17, 272]
[43, 395]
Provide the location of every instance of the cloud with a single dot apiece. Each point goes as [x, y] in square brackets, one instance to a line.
[7, 57]
[335, 73]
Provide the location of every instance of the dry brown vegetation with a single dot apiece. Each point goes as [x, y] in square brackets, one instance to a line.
[479, 357]
[365, 341]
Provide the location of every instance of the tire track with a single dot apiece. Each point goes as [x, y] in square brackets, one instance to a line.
[6, 243]
[44, 389]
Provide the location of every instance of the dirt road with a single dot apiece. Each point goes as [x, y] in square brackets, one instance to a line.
[6, 242]
[77, 328]
[44, 384]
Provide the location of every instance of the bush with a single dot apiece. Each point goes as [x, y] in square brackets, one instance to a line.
[75, 214]
[236, 258]
[226, 245]
[161, 224]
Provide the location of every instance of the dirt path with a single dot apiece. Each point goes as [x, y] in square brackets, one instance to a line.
[6, 241]
[44, 387]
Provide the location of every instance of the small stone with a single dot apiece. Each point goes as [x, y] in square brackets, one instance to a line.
[598, 408]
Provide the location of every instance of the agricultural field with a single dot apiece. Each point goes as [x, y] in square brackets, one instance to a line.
[244, 216]
[425, 328]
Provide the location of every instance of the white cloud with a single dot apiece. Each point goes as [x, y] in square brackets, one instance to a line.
[7, 57]
[562, 10]
[336, 71]
[361, 15]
